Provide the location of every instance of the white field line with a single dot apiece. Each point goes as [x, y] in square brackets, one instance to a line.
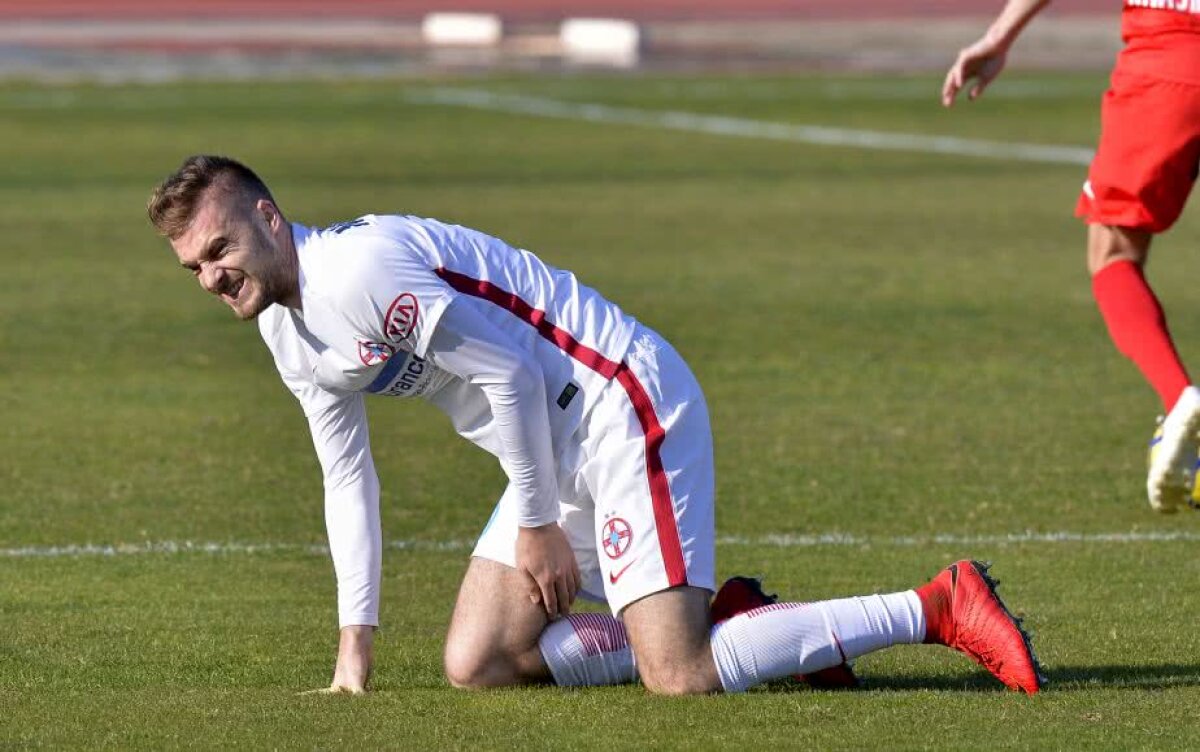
[765, 541]
[746, 128]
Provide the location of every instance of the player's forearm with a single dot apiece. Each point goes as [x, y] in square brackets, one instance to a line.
[356, 547]
[523, 426]
[469, 346]
[1015, 15]
[343, 448]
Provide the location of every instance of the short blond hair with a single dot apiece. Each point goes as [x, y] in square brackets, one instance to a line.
[173, 203]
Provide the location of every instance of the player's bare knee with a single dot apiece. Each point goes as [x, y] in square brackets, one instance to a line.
[669, 634]
[1108, 245]
[472, 676]
[459, 673]
[470, 667]
[680, 686]
[679, 672]
[678, 680]
[467, 669]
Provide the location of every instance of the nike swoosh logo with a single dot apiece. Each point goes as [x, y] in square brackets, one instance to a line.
[614, 576]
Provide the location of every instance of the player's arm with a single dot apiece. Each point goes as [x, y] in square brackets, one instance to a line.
[983, 60]
[465, 343]
[339, 434]
[395, 299]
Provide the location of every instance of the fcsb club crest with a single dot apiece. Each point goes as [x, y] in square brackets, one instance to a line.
[401, 317]
[616, 537]
[371, 353]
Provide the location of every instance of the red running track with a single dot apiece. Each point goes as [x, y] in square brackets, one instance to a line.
[522, 10]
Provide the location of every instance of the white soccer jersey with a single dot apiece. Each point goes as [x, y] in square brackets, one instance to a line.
[501, 342]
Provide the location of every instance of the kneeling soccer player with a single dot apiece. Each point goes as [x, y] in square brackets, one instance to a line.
[598, 423]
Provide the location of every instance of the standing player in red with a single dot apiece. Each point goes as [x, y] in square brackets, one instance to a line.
[1143, 170]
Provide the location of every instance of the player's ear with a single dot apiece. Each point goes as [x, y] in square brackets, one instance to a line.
[269, 212]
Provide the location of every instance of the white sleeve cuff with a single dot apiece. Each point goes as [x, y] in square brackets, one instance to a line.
[358, 619]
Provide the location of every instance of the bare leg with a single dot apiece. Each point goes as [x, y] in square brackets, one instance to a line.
[1107, 245]
[669, 634]
[493, 636]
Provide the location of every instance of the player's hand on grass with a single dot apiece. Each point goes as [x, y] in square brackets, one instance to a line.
[981, 62]
[545, 556]
[355, 653]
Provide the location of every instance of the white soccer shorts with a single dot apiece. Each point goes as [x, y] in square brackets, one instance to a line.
[638, 486]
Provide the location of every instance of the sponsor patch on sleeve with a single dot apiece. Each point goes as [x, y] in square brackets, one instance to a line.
[372, 353]
[401, 317]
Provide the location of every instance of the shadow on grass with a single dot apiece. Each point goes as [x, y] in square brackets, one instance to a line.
[1062, 678]
[1161, 676]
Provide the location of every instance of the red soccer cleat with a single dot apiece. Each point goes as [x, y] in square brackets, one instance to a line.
[962, 611]
[736, 596]
[740, 594]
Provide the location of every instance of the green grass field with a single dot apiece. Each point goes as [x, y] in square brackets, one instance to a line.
[898, 347]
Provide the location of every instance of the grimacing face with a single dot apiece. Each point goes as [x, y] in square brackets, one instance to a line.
[231, 247]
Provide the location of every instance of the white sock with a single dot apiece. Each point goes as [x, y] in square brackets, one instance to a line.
[801, 638]
[587, 650]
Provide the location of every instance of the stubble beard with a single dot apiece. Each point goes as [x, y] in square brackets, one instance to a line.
[267, 297]
[273, 284]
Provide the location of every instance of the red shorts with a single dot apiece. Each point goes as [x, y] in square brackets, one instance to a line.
[1148, 154]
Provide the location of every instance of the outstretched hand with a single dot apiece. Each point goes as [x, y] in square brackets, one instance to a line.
[545, 556]
[980, 62]
[355, 654]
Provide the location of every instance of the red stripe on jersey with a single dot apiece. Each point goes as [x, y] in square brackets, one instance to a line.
[660, 490]
[533, 316]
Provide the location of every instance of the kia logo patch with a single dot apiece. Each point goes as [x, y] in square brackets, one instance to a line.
[401, 317]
